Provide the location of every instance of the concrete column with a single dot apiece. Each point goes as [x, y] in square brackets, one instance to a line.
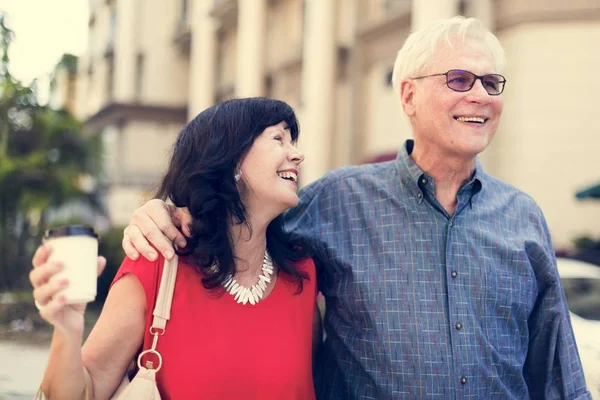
[202, 57]
[125, 50]
[81, 94]
[319, 70]
[251, 35]
[427, 11]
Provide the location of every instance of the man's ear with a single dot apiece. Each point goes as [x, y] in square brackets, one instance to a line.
[408, 89]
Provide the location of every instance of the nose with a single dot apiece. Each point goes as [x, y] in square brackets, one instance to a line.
[478, 94]
[295, 155]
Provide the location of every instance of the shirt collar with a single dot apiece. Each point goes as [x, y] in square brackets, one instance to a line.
[416, 180]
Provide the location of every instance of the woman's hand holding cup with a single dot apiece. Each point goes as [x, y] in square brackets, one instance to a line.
[64, 279]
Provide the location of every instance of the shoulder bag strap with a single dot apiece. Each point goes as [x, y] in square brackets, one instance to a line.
[162, 309]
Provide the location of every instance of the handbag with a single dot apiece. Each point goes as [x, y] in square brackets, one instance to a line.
[143, 385]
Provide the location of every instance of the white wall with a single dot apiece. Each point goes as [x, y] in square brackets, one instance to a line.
[386, 129]
[166, 70]
[121, 201]
[147, 145]
[137, 157]
[548, 143]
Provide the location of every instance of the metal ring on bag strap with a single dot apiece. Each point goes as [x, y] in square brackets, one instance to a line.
[161, 318]
[152, 350]
[143, 353]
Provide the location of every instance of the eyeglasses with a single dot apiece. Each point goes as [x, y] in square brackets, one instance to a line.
[462, 81]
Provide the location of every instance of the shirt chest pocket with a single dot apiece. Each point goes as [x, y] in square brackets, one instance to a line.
[508, 293]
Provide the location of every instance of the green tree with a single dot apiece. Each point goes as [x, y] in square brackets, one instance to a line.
[44, 154]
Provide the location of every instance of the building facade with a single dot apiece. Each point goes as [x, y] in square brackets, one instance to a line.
[63, 84]
[152, 65]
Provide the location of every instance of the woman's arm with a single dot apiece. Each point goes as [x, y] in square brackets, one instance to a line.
[108, 351]
[116, 337]
[64, 375]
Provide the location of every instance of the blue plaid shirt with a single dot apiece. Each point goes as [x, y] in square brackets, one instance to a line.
[421, 304]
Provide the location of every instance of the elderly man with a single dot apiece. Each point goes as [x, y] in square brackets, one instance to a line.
[440, 280]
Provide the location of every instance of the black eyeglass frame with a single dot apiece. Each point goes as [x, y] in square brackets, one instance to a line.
[480, 77]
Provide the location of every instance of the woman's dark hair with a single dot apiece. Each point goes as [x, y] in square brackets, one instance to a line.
[201, 177]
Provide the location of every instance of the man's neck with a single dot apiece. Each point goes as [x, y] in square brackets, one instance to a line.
[449, 172]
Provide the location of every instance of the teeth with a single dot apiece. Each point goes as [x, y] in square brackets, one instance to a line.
[471, 119]
[289, 175]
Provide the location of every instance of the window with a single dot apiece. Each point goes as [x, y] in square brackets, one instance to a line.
[90, 69]
[463, 7]
[392, 4]
[185, 8]
[112, 29]
[139, 76]
[110, 77]
[388, 76]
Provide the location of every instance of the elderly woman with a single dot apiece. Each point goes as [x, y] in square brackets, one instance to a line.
[243, 315]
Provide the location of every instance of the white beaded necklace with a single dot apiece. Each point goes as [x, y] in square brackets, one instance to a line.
[254, 293]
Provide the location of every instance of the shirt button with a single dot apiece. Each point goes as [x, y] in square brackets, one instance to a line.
[458, 326]
[463, 380]
[424, 181]
[419, 195]
[454, 274]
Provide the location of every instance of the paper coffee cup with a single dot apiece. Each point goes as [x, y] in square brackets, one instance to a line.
[76, 247]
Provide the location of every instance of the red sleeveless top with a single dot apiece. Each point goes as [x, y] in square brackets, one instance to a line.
[214, 348]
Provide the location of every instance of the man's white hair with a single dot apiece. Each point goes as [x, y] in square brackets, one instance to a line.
[420, 46]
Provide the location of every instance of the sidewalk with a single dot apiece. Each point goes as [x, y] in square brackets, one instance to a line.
[21, 370]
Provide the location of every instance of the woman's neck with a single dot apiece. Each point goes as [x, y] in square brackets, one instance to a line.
[248, 248]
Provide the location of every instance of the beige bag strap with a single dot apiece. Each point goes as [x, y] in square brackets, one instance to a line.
[162, 311]
[162, 308]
